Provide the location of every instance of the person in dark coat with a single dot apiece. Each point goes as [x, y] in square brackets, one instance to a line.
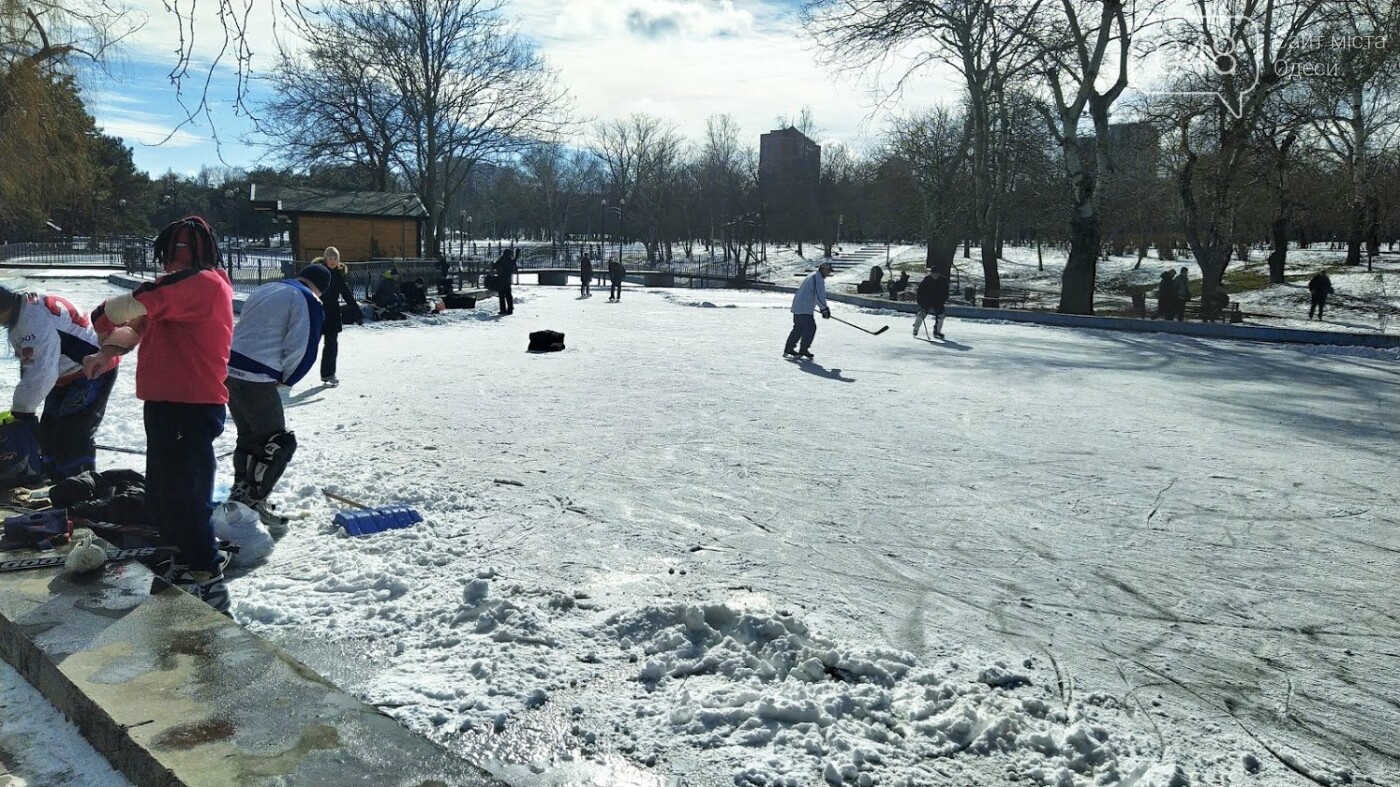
[899, 285]
[1183, 293]
[615, 273]
[1167, 296]
[330, 304]
[932, 295]
[505, 268]
[1320, 286]
[585, 275]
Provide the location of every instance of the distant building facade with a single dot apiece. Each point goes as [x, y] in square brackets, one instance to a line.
[789, 172]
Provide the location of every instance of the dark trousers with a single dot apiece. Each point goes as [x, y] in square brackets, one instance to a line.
[616, 290]
[507, 300]
[583, 288]
[68, 428]
[256, 409]
[180, 477]
[329, 353]
[1319, 304]
[804, 329]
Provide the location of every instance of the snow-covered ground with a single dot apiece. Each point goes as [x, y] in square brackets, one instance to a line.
[1026, 555]
[40, 748]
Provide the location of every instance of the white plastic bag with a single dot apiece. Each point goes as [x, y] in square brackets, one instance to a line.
[241, 525]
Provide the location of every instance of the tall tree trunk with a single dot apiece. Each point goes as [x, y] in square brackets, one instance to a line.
[1081, 269]
[1279, 256]
[991, 273]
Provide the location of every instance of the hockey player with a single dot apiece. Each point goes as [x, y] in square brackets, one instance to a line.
[616, 273]
[274, 345]
[811, 295]
[51, 337]
[932, 295]
[184, 323]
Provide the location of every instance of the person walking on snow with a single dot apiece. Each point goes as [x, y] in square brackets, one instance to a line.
[274, 346]
[585, 274]
[1320, 286]
[506, 267]
[1166, 296]
[1183, 293]
[331, 297]
[615, 272]
[811, 296]
[51, 337]
[932, 295]
[184, 323]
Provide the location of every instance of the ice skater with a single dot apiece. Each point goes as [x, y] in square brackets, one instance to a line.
[615, 272]
[274, 346]
[506, 267]
[932, 295]
[1320, 286]
[585, 275]
[811, 296]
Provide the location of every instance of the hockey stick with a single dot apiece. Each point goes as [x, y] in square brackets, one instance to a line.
[857, 327]
[54, 561]
[139, 452]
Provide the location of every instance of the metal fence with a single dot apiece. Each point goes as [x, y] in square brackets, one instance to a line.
[71, 253]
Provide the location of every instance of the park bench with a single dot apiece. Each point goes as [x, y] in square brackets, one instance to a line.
[1009, 298]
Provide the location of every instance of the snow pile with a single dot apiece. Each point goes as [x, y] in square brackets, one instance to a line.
[42, 747]
[722, 677]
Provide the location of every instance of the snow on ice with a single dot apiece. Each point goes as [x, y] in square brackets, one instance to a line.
[1034, 556]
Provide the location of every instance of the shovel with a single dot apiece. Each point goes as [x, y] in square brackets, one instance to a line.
[367, 520]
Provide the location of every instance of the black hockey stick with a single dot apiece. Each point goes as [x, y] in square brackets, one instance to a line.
[883, 328]
[53, 561]
[139, 452]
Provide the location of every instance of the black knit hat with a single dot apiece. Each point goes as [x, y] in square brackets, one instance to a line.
[318, 275]
[9, 302]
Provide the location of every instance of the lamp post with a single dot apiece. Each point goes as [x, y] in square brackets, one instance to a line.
[468, 239]
[461, 235]
[602, 228]
[620, 203]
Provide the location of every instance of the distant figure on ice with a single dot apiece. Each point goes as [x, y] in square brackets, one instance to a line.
[585, 275]
[1320, 286]
[1166, 296]
[615, 273]
[1183, 293]
[811, 295]
[388, 298]
[899, 285]
[506, 268]
[274, 345]
[932, 295]
[335, 319]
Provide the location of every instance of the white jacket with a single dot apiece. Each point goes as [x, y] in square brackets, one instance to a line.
[50, 337]
[277, 334]
[811, 295]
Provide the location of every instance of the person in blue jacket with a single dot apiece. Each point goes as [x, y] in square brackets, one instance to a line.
[274, 345]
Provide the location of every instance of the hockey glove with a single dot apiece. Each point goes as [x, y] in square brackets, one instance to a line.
[826, 314]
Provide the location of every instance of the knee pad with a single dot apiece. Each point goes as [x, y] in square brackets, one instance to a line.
[267, 466]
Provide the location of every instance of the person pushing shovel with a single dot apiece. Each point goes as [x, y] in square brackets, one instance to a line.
[810, 296]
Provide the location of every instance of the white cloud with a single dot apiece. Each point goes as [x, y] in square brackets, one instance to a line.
[137, 131]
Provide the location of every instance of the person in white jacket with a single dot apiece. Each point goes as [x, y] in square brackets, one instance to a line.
[50, 336]
[274, 345]
[811, 296]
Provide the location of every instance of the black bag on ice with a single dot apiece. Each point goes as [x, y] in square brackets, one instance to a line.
[546, 342]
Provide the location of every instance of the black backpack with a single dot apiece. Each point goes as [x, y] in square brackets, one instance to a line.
[546, 342]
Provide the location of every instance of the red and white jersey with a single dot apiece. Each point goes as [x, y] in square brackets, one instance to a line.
[50, 337]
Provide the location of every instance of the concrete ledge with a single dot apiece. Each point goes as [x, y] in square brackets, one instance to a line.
[554, 278]
[177, 695]
[1209, 330]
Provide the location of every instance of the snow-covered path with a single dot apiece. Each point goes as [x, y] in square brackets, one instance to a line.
[683, 555]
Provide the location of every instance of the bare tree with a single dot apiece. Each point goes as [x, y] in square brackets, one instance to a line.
[936, 147]
[1356, 97]
[466, 88]
[986, 41]
[640, 155]
[1217, 111]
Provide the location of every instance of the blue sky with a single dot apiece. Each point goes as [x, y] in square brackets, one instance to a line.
[680, 59]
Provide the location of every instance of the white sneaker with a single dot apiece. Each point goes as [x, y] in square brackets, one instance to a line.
[329, 382]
